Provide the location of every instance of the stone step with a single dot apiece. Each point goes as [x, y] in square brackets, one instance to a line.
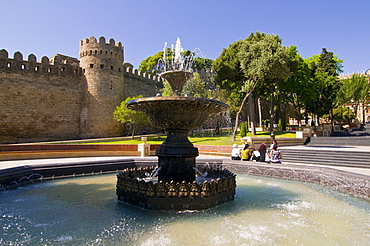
[325, 157]
[340, 141]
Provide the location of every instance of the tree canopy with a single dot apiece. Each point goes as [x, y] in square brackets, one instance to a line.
[325, 68]
[125, 115]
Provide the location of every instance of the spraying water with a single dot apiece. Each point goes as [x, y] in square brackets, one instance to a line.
[174, 59]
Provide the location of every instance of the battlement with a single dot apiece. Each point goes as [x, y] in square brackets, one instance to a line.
[57, 65]
[138, 74]
[91, 47]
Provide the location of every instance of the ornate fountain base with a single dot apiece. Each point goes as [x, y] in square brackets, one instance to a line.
[133, 188]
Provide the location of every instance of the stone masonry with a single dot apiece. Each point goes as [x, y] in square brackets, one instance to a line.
[64, 98]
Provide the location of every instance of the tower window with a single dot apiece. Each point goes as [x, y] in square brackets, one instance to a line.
[91, 65]
[111, 67]
[37, 68]
[23, 66]
[50, 70]
[8, 64]
[63, 69]
[101, 65]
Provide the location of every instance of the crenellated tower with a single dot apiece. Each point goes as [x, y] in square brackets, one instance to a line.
[102, 66]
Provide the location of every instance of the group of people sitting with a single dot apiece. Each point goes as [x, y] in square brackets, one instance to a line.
[272, 155]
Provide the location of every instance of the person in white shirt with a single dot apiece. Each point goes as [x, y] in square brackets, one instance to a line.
[235, 152]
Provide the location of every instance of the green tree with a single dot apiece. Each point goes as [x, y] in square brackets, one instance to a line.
[167, 89]
[354, 91]
[297, 89]
[325, 69]
[263, 58]
[244, 64]
[125, 115]
[151, 64]
[229, 75]
[342, 114]
[194, 87]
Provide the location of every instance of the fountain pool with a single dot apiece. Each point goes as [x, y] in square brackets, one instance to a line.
[266, 211]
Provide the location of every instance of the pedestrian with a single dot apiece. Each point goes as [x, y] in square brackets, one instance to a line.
[235, 152]
[246, 153]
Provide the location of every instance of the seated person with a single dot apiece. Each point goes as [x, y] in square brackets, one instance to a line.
[255, 155]
[246, 153]
[235, 152]
[262, 150]
[274, 155]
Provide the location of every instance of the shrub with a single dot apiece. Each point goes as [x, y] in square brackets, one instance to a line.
[243, 129]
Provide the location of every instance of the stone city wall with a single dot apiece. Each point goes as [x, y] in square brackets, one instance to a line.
[64, 98]
[39, 100]
[138, 83]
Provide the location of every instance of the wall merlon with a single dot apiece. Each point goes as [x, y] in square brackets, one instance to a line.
[102, 41]
[134, 73]
[101, 49]
[58, 66]
[4, 53]
[18, 56]
[129, 69]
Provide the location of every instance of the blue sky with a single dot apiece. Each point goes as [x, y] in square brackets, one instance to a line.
[48, 27]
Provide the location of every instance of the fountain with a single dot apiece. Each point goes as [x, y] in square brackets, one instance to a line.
[176, 156]
[265, 211]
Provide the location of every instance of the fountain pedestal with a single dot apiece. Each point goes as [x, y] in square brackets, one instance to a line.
[176, 158]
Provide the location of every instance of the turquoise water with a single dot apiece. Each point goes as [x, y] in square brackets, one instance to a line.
[85, 211]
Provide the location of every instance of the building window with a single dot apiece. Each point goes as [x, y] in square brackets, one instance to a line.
[37, 68]
[101, 65]
[111, 67]
[63, 69]
[23, 66]
[75, 71]
[8, 64]
[91, 65]
[50, 70]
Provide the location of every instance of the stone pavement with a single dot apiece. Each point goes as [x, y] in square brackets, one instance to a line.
[204, 158]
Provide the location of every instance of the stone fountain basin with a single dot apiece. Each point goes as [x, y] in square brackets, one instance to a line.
[177, 112]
